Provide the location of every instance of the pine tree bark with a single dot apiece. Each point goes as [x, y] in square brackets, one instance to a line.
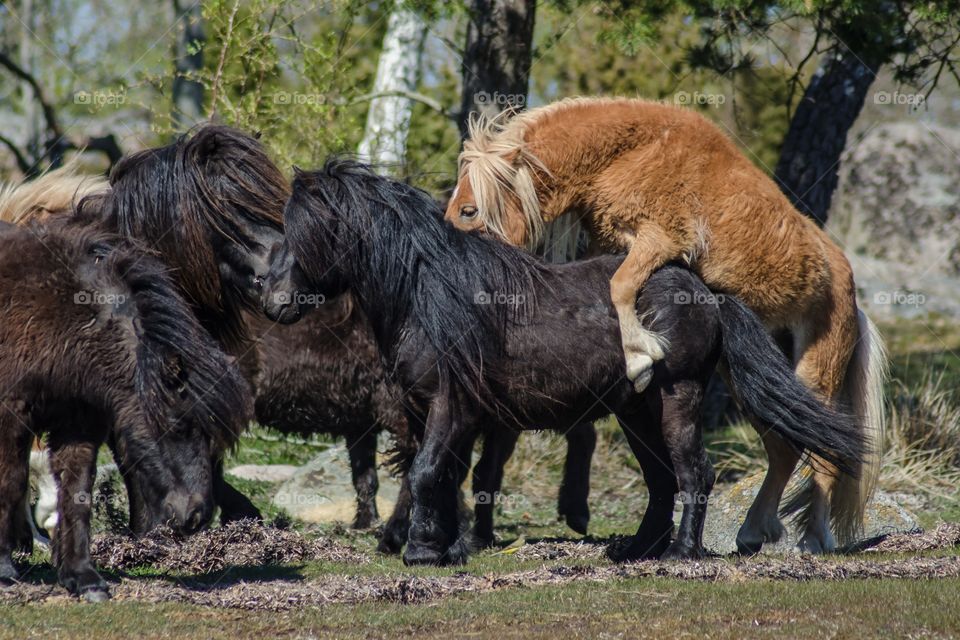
[496, 61]
[810, 157]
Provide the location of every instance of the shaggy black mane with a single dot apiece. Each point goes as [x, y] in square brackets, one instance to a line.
[183, 380]
[389, 242]
[173, 197]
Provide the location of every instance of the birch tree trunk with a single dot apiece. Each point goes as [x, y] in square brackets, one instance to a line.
[384, 143]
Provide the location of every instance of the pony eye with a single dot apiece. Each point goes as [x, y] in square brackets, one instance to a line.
[258, 282]
[468, 212]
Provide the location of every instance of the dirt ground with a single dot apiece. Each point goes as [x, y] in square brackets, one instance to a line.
[198, 571]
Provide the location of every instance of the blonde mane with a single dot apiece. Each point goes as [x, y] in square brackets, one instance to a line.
[498, 164]
[53, 192]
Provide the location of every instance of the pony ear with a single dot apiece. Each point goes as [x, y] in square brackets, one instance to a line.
[208, 142]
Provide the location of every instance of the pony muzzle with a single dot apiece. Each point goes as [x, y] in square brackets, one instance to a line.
[187, 513]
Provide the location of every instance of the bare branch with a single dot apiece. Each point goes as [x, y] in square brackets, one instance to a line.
[410, 95]
[48, 112]
[22, 162]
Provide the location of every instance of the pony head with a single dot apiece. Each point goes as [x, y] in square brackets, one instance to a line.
[495, 187]
[211, 203]
[286, 294]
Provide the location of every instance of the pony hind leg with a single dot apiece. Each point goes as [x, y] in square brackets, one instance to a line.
[695, 475]
[653, 537]
[651, 248]
[498, 446]
[572, 503]
[824, 349]
[762, 523]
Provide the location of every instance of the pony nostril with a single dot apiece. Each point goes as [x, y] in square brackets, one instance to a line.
[197, 515]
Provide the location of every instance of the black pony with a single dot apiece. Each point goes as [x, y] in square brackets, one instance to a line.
[211, 203]
[95, 343]
[483, 335]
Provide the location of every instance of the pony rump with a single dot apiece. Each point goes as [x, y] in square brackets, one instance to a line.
[53, 192]
[498, 164]
[390, 245]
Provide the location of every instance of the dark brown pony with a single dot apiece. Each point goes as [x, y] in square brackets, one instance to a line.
[96, 343]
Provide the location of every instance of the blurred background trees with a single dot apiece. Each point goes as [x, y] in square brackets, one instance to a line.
[787, 80]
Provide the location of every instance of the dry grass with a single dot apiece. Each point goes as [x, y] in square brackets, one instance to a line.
[921, 452]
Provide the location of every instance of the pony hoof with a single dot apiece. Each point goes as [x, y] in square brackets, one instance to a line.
[635, 549]
[95, 594]
[640, 371]
[751, 548]
[8, 575]
[364, 521]
[813, 545]
[677, 552]
[419, 555]
[578, 522]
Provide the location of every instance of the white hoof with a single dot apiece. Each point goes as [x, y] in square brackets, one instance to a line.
[640, 371]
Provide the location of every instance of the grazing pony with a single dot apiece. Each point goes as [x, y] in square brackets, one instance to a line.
[664, 184]
[485, 337]
[96, 344]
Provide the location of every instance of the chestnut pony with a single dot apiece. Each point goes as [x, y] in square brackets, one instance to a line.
[664, 184]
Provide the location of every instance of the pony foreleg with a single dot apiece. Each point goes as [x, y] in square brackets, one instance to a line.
[363, 470]
[650, 249]
[14, 452]
[74, 468]
[434, 518]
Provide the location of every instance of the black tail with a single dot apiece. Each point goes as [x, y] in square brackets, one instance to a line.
[771, 394]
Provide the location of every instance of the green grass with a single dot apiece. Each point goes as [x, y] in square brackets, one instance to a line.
[920, 352]
[649, 607]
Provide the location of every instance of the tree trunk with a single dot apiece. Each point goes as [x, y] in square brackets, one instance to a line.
[810, 156]
[384, 141]
[188, 59]
[496, 61]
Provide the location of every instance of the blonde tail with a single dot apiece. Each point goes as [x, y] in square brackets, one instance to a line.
[864, 392]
